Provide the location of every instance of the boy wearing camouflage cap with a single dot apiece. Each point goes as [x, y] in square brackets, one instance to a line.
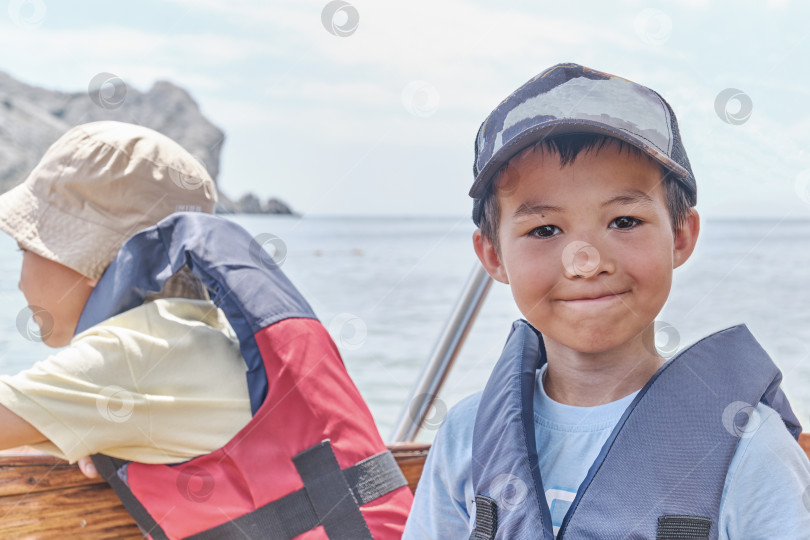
[584, 198]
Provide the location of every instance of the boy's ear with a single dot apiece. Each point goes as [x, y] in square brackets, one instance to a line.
[489, 258]
[686, 238]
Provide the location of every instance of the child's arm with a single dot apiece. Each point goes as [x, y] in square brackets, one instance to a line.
[440, 508]
[14, 431]
[767, 491]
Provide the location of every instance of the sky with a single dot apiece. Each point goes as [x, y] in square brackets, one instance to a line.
[371, 107]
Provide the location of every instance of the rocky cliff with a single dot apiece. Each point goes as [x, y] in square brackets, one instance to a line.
[32, 118]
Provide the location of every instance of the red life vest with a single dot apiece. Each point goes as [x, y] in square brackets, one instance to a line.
[310, 464]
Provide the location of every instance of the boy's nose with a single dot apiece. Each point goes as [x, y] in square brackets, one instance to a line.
[581, 259]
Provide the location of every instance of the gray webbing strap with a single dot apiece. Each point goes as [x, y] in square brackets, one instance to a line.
[108, 468]
[683, 528]
[330, 497]
[374, 477]
[486, 518]
[337, 509]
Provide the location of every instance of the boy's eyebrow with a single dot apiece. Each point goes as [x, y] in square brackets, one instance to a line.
[534, 208]
[628, 198]
[631, 197]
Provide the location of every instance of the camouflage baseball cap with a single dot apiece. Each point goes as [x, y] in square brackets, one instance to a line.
[569, 98]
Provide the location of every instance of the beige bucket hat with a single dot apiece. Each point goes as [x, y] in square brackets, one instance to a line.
[96, 186]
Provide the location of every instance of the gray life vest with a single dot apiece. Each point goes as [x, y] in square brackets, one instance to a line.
[661, 472]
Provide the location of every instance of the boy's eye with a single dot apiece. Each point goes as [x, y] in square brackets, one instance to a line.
[625, 222]
[545, 231]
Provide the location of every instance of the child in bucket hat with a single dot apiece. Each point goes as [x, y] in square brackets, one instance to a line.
[128, 386]
[584, 198]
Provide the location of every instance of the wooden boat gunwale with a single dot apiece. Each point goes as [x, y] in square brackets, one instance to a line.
[42, 496]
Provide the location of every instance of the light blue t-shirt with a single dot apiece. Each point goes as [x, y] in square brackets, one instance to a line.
[766, 493]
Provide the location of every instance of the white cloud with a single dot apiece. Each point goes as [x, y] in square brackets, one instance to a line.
[272, 66]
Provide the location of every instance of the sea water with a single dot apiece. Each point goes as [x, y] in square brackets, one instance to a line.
[385, 287]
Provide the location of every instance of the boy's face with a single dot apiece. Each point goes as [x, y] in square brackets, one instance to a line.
[588, 250]
[57, 294]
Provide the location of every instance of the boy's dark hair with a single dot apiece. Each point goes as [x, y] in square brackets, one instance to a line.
[183, 284]
[568, 147]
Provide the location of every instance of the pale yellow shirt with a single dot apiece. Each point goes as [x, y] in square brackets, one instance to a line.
[161, 383]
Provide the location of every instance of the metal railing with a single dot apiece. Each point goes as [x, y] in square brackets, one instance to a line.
[444, 354]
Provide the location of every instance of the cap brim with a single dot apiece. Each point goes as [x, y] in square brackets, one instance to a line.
[563, 127]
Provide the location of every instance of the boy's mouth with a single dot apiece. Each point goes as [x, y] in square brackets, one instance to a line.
[594, 298]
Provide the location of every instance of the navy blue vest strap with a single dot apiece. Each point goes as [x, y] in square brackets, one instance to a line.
[241, 279]
[504, 447]
[327, 490]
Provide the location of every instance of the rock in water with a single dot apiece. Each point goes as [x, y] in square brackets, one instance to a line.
[32, 118]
